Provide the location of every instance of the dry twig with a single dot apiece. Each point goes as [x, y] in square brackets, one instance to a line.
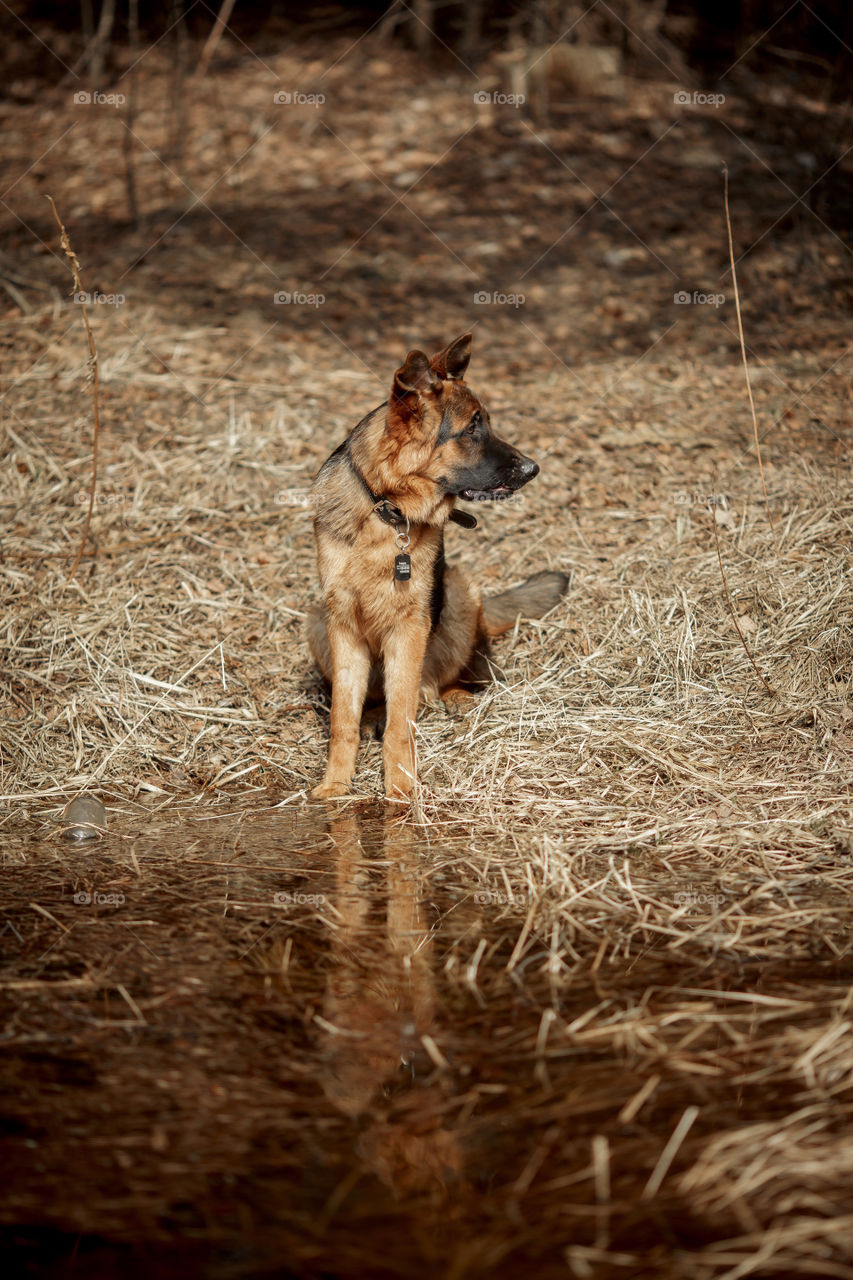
[93, 355]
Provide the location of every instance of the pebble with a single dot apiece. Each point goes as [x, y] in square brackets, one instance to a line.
[82, 816]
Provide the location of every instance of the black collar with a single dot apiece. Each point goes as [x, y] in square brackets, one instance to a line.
[383, 507]
[390, 514]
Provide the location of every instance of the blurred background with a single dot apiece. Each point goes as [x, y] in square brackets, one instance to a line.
[207, 158]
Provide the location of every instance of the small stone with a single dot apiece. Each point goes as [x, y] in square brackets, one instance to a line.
[85, 818]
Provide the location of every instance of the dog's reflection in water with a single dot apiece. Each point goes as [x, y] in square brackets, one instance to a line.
[378, 1010]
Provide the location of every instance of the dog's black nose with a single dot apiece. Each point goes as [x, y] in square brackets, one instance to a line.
[528, 468]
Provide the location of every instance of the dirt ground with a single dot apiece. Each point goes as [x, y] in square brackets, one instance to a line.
[586, 1010]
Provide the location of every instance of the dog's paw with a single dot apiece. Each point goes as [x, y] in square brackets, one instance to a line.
[373, 723]
[397, 798]
[328, 790]
[400, 790]
[457, 701]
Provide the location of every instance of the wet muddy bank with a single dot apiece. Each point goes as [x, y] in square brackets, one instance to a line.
[313, 1043]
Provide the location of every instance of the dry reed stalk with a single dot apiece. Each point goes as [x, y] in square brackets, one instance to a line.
[93, 367]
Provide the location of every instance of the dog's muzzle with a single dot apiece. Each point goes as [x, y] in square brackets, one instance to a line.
[524, 470]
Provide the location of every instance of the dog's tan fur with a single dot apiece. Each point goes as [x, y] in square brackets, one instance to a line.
[411, 451]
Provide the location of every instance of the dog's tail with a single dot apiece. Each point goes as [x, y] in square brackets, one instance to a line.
[531, 599]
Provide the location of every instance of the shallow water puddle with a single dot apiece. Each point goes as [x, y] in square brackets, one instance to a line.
[307, 1043]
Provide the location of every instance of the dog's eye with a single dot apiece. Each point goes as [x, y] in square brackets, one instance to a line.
[474, 425]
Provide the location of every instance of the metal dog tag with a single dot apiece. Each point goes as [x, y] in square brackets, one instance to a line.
[402, 567]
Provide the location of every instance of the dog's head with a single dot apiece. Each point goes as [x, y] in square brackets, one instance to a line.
[443, 432]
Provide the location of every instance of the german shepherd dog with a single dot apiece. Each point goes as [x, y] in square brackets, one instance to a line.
[391, 606]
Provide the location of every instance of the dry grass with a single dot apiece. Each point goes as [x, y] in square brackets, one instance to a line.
[624, 837]
[175, 658]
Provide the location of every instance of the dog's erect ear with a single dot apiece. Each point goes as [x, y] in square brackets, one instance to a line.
[415, 375]
[453, 360]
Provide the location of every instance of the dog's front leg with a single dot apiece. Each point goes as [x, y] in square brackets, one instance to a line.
[404, 657]
[350, 673]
